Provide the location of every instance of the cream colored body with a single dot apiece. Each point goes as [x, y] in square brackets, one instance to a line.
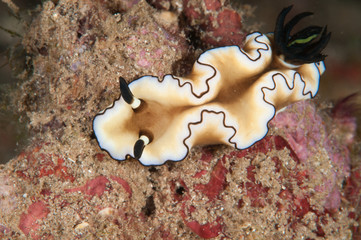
[229, 98]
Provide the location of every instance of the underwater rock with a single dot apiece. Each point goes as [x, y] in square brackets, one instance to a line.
[59, 186]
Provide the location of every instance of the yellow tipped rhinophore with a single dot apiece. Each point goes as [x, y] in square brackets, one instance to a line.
[229, 98]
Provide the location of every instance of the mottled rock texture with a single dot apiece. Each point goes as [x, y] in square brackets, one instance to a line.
[296, 183]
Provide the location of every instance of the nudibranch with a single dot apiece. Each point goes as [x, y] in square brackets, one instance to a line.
[228, 98]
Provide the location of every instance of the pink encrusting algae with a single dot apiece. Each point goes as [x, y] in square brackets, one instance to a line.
[309, 134]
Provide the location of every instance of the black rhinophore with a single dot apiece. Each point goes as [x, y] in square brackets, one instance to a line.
[125, 91]
[138, 148]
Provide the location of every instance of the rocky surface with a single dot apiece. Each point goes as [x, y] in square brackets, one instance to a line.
[302, 181]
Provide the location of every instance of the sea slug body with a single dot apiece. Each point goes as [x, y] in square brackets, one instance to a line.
[228, 98]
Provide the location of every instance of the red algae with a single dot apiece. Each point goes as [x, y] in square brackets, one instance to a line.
[217, 181]
[94, 187]
[29, 221]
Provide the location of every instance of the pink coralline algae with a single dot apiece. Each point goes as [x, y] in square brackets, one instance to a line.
[255, 192]
[94, 187]
[352, 194]
[43, 164]
[302, 133]
[98, 185]
[29, 221]
[297, 205]
[39, 165]
[308, 134]
[217, 24]
[221, 25]
[148, 58]
[32, 218]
